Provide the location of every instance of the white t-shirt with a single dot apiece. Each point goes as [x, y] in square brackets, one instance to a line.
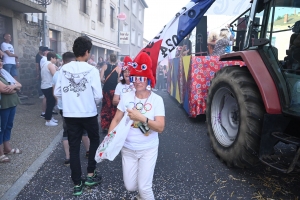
[46, 76]
[122, 89]
[7, 59]
[43, 60]
[59, 101]
[136, 140]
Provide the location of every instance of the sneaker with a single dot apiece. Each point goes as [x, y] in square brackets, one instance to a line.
[51, 123]
[42, 115]
[93, 180]
[78, 189]
[54, 113]
[42, 96]
[54, 120]
[67, 162]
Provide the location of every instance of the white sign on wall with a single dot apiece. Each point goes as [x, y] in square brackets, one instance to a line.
[124, 37]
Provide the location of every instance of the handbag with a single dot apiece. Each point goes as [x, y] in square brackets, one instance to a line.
[113, 142]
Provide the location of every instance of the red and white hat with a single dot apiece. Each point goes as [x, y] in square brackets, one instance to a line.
[142, 66]
[126, 64]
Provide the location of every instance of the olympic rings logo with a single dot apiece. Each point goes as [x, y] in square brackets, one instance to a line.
[125, 90]
[141, 107]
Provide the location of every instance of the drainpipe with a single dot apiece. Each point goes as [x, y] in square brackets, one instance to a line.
[44, 26]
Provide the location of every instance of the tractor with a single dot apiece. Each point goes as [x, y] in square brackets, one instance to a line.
[251, 109]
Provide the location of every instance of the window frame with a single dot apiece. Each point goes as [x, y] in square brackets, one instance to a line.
[83, 6]
[111, 16]
[132, 38]
[134, 7]
[100, 11]
[53, 40]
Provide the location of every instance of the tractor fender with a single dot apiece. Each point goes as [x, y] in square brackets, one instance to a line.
[261, 76]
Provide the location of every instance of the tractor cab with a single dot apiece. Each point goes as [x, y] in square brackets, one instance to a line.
[273, 28]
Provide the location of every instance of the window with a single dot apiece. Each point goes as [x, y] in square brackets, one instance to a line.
[125, 27]
[100, 10]
[53, 39]
[133, 36]
[139, 40]
[134, 4]
[126, 3]
[83, 7]
[140, 14]
[112, 10]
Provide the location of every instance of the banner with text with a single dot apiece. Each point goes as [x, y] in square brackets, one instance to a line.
[124, 37]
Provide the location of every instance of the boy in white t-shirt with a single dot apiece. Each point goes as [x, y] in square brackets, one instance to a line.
[79, 87]
[68, 57]
[10, 59]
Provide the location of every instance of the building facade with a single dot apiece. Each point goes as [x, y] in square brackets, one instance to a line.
[69, 19]
[133, 25]
[25, 38]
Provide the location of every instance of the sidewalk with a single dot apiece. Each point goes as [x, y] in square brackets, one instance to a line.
[31, 136]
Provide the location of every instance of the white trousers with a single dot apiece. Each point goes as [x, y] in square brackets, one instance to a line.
[138, 170]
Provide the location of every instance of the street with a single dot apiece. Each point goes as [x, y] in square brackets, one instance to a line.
[186, 169]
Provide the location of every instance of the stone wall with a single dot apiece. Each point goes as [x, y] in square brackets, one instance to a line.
[28, 36]
[67, 39]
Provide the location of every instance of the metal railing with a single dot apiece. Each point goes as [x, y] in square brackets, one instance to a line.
[42, 2]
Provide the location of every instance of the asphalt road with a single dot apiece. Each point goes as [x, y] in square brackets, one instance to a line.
[186, 169]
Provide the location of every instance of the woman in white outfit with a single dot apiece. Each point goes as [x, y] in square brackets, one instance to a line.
[147, 110]
[124, 85]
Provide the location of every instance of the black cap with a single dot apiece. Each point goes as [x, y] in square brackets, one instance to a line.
[41, 48]
[46, 49]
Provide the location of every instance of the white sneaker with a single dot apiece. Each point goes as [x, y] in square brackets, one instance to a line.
[54, 120]
[51, 123]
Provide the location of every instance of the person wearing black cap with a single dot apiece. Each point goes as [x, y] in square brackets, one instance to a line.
[38, 58]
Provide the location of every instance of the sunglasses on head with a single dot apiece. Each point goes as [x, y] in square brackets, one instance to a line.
[140, 78]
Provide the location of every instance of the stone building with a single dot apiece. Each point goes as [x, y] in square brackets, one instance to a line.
[134, 25]
[25, 38]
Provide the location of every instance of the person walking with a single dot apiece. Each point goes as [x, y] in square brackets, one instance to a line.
[147, 110]
[10, 59]
[124, 86]
[79, 87]
[111, 73]
[48, 69]
[9, 100]
[68, 57]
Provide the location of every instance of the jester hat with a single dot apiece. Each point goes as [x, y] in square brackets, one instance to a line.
[142, 66]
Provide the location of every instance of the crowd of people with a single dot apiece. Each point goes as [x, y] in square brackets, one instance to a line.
[78, 87]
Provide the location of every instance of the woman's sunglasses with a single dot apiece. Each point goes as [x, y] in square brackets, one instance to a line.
[138, 78]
